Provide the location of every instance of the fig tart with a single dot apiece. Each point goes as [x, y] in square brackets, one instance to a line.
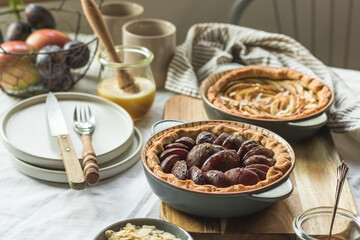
[218, 157]
[270, 93]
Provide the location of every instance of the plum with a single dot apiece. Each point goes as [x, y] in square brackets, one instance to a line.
[51, 62]
[196, 175]
[205, 137]
[233, 142]
[218, 147]
[221, 138]
[200, 153]
[186, 141]
[60, 83]
[260, 150]
[39, 17]
[182, 153]
[78, 54]
[222, 161]
[247, 146]
[261, 174]
[217, 178]
[18, 31]
[259, 159]
[169, 163]
[180, 170]
[262, 167]
[242, 176]
[176, 145]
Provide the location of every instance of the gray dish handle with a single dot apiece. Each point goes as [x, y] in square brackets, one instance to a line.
[278, 193]
[313, 122]
[163, 124]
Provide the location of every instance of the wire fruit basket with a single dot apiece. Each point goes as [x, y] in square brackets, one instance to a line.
[53, 58]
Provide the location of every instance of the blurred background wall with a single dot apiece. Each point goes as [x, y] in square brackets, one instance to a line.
[183, 13]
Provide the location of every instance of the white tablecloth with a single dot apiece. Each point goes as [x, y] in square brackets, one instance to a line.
[35, 209]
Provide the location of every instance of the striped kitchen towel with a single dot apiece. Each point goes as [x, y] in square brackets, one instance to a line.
[208, 46]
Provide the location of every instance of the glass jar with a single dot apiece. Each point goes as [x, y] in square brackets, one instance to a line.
[314, 224]
[135, 62]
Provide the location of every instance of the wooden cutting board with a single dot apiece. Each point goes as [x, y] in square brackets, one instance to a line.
[314, 180]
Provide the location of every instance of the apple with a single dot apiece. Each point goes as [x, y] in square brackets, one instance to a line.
[17, 72]
[18, 76]
[15, 47]
[43, 37]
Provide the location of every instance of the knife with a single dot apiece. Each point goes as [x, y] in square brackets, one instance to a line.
[59, 130]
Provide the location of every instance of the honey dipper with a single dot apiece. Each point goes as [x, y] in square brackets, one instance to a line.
[125, 80]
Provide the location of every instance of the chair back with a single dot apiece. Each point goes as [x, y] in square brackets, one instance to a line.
[326, 27]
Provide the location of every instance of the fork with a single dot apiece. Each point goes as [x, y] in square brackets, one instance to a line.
[84, 124]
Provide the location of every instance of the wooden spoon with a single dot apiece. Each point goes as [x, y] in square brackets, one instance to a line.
[125, 80]
[342, 171]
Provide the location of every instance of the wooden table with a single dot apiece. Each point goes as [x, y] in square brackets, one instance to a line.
[314, 180]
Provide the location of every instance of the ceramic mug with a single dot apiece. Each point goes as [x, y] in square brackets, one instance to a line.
[159, 36]
[116, 14]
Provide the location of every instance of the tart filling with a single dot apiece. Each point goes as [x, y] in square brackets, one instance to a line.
[269, 93]
[217, 158]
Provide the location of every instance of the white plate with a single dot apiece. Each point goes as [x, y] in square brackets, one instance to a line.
[106, 170]
[25, 130]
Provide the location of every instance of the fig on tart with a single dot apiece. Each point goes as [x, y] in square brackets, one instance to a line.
[269, 93]
[218, 157]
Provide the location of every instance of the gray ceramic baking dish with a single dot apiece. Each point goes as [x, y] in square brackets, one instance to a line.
[290, 130]
[219, 205]
[159, 224]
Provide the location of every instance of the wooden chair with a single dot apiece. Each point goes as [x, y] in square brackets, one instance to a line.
[325, 27]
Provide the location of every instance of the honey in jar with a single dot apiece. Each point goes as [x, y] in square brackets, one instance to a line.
[136, 104]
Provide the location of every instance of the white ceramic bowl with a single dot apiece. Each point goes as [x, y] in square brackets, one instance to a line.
[159, 224]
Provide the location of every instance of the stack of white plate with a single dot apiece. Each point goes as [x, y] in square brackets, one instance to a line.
[26, 135]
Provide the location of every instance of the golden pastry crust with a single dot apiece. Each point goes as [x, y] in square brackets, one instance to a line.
[269, 93]
[282, 156]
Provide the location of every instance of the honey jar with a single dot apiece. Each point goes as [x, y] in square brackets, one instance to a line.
[135, 60]
[314, 224]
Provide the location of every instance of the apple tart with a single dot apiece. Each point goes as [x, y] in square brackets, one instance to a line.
[269, 93]
[218, 157]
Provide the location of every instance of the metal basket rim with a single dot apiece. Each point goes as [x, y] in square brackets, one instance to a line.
[52, 52]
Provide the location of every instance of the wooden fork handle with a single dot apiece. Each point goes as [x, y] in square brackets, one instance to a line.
[91, 168]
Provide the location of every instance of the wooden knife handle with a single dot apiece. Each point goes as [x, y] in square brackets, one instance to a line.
[91, 168]
[125, 80]
[72, 165]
